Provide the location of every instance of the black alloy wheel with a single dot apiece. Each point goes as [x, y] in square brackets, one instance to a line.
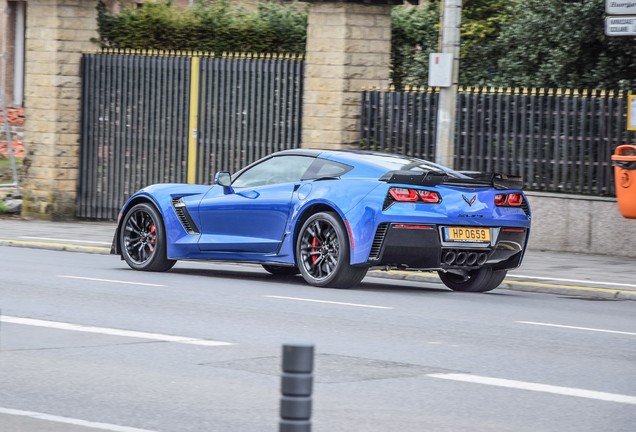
[143, 239]
[480, 280]
[322, 252]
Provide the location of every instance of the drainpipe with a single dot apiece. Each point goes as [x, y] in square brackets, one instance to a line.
[18, 64]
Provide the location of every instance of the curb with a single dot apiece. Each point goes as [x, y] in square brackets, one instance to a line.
[520, 285]
[427, 277]
[56, 246]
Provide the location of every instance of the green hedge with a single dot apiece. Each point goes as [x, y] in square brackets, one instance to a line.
[529, 43]
[208, 26]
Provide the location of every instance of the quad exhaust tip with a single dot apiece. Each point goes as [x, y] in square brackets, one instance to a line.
[460, 258]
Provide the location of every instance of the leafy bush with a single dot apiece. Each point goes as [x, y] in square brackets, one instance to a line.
[530, 43]
[414, 35]
[563, 44]
[208, 26]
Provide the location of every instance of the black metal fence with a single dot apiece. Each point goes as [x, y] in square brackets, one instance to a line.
[248, 108]
[138, 121]
[154, 118]
[558, 140]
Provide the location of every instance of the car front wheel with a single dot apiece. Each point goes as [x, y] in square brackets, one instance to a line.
[481, 280]
[143, 239]
[322, 252]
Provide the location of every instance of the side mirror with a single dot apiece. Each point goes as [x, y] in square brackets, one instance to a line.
[223, 178]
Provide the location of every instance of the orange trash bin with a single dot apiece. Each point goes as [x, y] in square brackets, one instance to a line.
[624, 161]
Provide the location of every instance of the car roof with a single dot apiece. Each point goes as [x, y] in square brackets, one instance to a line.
[342, 155]
[375, 163]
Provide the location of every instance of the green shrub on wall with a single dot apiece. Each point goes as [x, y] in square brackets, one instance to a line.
[413, 38]
[208, 26]
[503, 42]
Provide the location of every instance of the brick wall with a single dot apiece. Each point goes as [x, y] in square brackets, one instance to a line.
[16, 132]
[57, 32]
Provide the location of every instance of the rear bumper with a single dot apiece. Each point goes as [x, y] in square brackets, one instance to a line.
[422, 247]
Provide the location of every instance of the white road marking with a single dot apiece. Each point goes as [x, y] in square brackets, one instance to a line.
[112, 332]
[523, 385]
[578, 281]
[72, 421]
[328, 302]
[65, 240]
[576, 328]
[109, 280]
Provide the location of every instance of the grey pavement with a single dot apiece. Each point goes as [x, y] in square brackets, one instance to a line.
[561, 273]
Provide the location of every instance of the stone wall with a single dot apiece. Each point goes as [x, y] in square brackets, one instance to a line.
[575, 223]
[57, 32]
[348, 49]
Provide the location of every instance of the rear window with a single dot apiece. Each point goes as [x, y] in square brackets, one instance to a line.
[323, 168]
[403, 163]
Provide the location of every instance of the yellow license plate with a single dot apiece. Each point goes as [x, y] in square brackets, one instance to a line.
[467, 234]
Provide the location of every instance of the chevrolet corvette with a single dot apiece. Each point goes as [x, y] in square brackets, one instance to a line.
[330, 215]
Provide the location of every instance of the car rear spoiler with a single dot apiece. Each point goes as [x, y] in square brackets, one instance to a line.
[434, 178]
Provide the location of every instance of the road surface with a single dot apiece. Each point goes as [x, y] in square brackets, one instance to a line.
[87, 344]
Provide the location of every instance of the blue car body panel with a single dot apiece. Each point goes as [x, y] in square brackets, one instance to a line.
[259, 224]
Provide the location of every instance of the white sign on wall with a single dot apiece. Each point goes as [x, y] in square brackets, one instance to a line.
[620, 25]
[631, 112]
[620, 7]
[440, 70]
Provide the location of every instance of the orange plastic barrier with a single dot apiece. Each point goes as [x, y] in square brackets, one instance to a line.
[624, 161]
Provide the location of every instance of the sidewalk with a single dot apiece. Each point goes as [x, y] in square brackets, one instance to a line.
[568, 274]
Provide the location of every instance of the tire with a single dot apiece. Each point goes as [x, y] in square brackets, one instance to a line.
[281, 270]
[481, 280]
[322, 253]
[142, 239]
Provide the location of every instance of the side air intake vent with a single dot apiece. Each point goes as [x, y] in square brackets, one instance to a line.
[178, 204]
[376, 247]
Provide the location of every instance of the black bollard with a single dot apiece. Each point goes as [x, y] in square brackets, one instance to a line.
[296, 388]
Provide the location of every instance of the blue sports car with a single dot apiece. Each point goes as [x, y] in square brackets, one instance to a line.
[331, 215]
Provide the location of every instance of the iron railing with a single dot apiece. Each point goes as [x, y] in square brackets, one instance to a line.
[248, 108]
[558, 140]
[137, 120]
[154, 118]
[133, 127]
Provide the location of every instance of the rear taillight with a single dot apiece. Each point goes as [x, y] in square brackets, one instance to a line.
[403, 194]
[430, 197]
[414, 195]
[515, 200]
[509, 200]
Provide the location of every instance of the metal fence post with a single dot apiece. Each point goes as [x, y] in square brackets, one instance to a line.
[193, 123]
[296, 388]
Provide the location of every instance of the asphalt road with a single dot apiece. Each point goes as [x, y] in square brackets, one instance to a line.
[87, 344]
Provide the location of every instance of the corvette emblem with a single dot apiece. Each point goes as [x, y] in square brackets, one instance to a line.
[469, 201]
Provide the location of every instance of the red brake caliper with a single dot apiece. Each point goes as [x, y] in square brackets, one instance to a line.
[314, 244]
[153, 231]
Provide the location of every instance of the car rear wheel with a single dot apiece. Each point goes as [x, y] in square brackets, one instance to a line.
[143, 239]
[278, 270]
[481, 280]
[322, 252]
